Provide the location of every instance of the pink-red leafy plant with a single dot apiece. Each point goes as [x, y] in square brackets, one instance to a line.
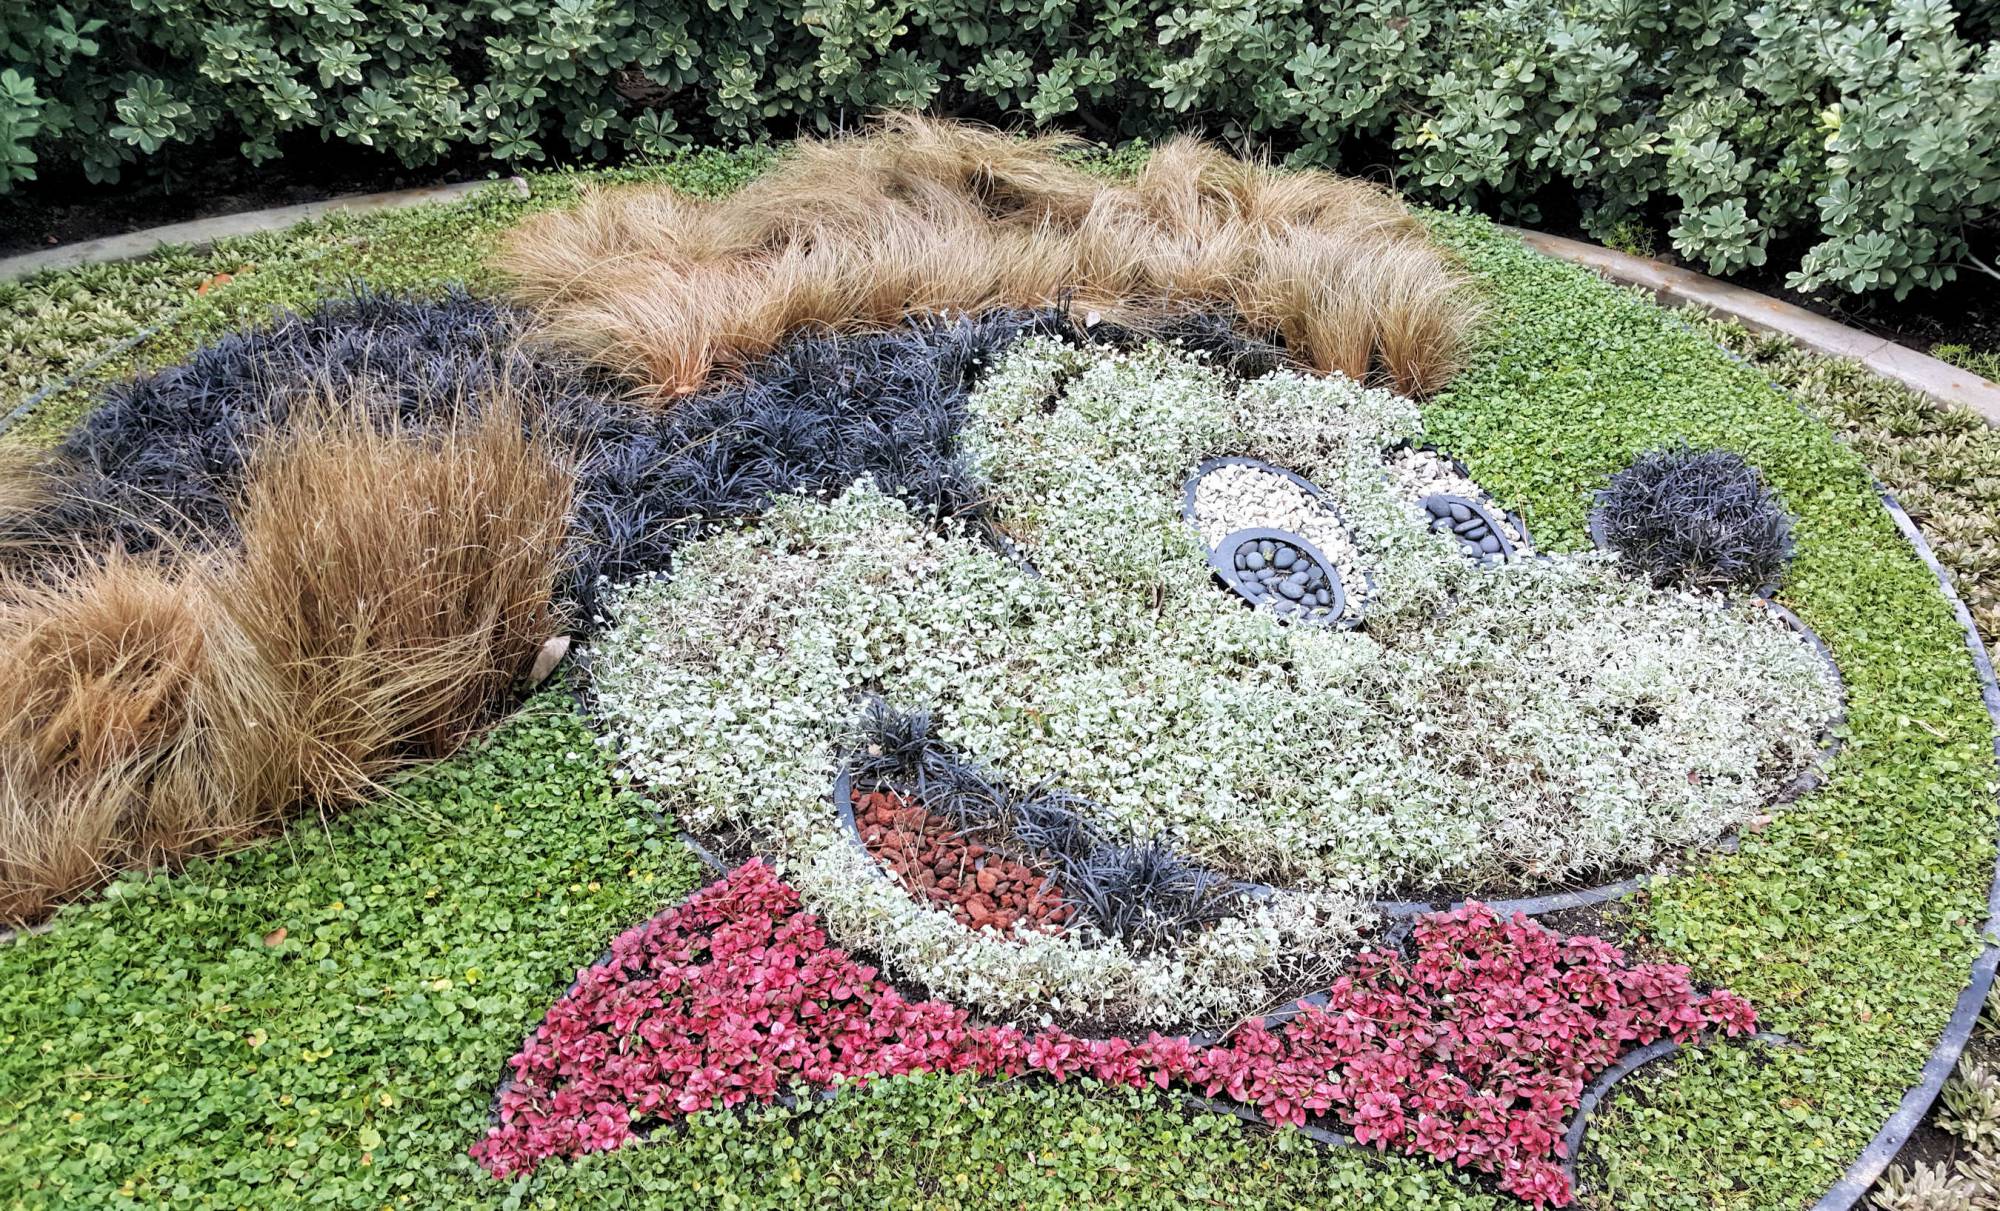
[1475, 1051]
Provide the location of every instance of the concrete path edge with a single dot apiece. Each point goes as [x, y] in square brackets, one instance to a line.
[1673, 285]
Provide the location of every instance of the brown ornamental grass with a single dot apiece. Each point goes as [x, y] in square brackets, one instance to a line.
[922, 215]
[388, 590]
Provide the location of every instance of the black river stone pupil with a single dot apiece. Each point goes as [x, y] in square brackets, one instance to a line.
[1478, 535]
[1274, 570]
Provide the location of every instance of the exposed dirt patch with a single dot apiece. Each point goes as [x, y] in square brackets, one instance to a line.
[64, 208]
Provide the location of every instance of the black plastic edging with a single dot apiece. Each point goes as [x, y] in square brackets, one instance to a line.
[1593, 1095]
[76, 377]
[843, 804]
[1305, 485]
[1535, 906]
[1895, 1133]
[1815, 775]
[27, 406]
[1402, 913]
[1889, 1140]
[1491, 505]
[1319, 1135]
[1206, 465]
[1855, 1183]
[1480, 512]
[1222, 561]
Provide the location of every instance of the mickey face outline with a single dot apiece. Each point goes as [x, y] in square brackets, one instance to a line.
[1543, 719]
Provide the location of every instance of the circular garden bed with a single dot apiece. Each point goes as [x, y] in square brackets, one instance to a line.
[1086, 671]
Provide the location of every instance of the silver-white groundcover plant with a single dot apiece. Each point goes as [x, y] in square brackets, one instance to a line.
[1491, 729]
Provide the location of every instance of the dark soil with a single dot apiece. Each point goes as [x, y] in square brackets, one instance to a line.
[1966, 312]
[1931, 1145]
[1610, 921]
[63, 209]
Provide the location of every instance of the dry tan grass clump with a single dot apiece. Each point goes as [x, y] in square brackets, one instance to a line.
[395, 586]
[926, 215]
[133, 724]
[389, 589]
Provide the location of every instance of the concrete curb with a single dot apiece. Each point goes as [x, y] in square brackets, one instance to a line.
[1675, 286]
[202, 232]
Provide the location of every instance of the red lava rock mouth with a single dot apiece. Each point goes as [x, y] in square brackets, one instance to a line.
[939, 865]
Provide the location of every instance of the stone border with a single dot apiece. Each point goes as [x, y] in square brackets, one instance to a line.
[1676, 286]
[200, 233]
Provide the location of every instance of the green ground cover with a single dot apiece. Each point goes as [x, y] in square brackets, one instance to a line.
[1851, 919]
[322, 1021]
[159, 1047]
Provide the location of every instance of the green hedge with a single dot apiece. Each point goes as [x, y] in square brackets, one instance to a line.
[1867, 129]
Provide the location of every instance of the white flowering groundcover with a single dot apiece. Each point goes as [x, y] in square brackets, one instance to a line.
[1491, 729]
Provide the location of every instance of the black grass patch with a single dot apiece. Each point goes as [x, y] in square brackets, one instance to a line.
[813, 417]
[163, 459]
[1696, 518]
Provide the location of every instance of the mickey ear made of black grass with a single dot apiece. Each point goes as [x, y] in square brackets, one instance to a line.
[1690, 518]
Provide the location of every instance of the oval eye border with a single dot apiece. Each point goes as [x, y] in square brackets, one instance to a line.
[1223, 561]
[1508, 550]
[1207, 465]
[1526, 548]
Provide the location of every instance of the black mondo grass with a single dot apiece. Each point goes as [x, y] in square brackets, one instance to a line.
[163, 460]
[1055, 822]
[1695, 519]
[1145, 895]
[901, 749]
